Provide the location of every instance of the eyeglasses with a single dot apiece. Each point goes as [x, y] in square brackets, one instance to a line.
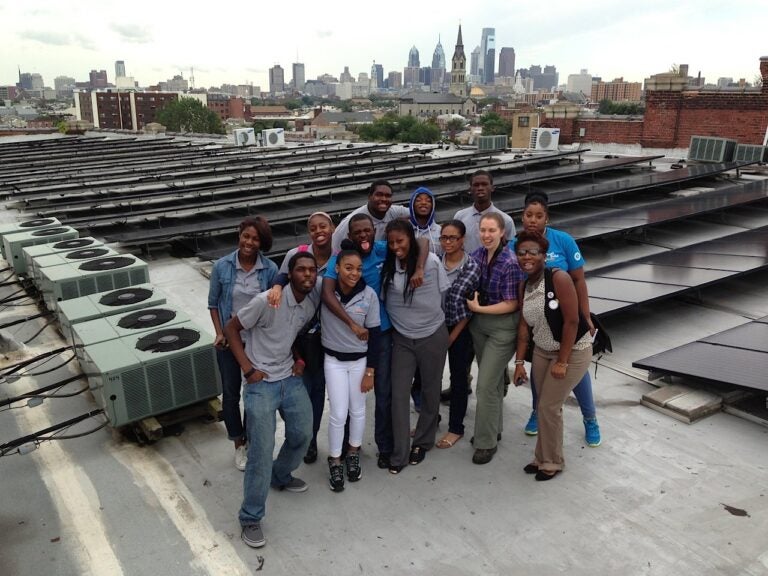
[529, 252]
[450, 238]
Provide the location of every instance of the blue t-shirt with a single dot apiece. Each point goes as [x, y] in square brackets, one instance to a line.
[371, 274]
[563, 251]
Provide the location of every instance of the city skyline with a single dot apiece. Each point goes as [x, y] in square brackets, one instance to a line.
[708, 36]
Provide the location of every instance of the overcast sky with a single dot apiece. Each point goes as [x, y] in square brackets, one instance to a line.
[158, 39]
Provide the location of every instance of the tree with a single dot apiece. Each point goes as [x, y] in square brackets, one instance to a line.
[394, 128]
[493, 125]
[621, 108]
[452, 126]
[189, 115]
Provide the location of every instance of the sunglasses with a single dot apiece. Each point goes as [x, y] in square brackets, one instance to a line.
[529, 252]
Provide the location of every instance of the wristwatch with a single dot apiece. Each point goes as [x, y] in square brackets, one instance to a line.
[249, 373]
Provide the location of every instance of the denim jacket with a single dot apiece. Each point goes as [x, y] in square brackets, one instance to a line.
[222, 282]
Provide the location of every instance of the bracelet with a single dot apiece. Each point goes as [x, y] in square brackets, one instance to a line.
[563, 364]
[249, 373]
[369, 373]
[519, 362]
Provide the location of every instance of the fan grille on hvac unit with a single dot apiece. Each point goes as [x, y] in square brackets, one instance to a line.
[36, 223]
[125, 296]
[72, 244]
[50, 231]
[106, 263]
[273, 138]
[146, 318]
[168, 340]
[545, 138]
[88, 253]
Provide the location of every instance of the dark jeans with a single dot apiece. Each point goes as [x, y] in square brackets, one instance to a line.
[231, 385]
[459, 359]
[314, 382]
[382, 387]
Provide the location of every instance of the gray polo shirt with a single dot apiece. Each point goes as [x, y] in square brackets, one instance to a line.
[271, 331]
[342, 230]
[471, 218]
[363, 309]
[246, 284]
[288, 255]
[423, 315]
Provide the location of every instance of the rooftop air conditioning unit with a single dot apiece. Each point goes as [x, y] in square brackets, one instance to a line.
[705, 149]
[148, 374]
[498, 142]
[15, 243]
[69, 281]
[139, 321]
[29, 225]
[750, 153]
[105, 304]
[71, 257]
[244, 136]
[544, 138]
[31, 252]
[273, 137]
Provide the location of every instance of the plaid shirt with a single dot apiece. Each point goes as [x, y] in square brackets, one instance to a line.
[501, 280]
[462, 288]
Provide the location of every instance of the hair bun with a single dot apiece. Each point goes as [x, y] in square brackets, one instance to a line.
[347, 244]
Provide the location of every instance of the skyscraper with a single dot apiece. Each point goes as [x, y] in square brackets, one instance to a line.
[413, 58]
[507, 62]
[119, 69]
[299, 78]
[276, 79]
[438, 67]
[474, 61]
[377, 75]
[459, 68]
[98, 78]
[346, 76]
[487, 58]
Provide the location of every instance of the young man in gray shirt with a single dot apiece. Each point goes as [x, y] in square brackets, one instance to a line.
[272, 374]
[481, 188]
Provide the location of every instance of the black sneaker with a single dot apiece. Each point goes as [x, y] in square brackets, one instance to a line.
[383, 461]
[354, 471]
[336, 478]
[311, 456]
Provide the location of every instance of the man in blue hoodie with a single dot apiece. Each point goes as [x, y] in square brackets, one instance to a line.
[422, 217]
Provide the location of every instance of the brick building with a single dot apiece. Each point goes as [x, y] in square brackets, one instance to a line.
[120, 110]
[617, 91]
[673, 113]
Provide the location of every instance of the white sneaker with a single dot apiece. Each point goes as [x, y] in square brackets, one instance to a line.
[241, 457]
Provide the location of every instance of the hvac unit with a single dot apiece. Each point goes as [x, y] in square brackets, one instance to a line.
[498, 142]
[15, 243]
[105, 304]
[40, 263]
[750, 153]
[29, 225]
[31, 252]
[148, 374]
[244, 136]
[706, 149]
[273, 137]
[69, 281]
[544, 138]
[140, 321]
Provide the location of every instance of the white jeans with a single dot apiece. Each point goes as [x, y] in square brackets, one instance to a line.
[342, 383]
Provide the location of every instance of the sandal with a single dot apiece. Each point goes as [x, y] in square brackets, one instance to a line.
[449, 440]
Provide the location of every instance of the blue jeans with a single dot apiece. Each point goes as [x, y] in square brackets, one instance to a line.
[262, 400]
[459, 359]
[583, 393]
[231, 384]
[314, 382]
[382, 388]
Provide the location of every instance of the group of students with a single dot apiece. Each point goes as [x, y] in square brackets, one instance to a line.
[400, 294]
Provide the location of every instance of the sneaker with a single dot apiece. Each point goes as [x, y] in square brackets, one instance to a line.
[383, 461]
[336, 477]
[354, 471]
[592, 432]
[253, 536]
[295, 485]
[532, 428]
[241, 457]
[311, 456]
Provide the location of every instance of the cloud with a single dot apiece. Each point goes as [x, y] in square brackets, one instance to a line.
[83, 41]
[50, 38]
[132, 33]
[324, 33]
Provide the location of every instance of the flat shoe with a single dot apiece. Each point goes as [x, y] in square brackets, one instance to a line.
[447, 442]
[542, 476]
[531, 468]
[396, 469]
[417, 455]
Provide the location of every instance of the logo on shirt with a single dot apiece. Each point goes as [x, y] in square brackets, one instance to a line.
[577, 256]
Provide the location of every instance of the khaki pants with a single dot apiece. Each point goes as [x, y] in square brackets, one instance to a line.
[552, 393]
